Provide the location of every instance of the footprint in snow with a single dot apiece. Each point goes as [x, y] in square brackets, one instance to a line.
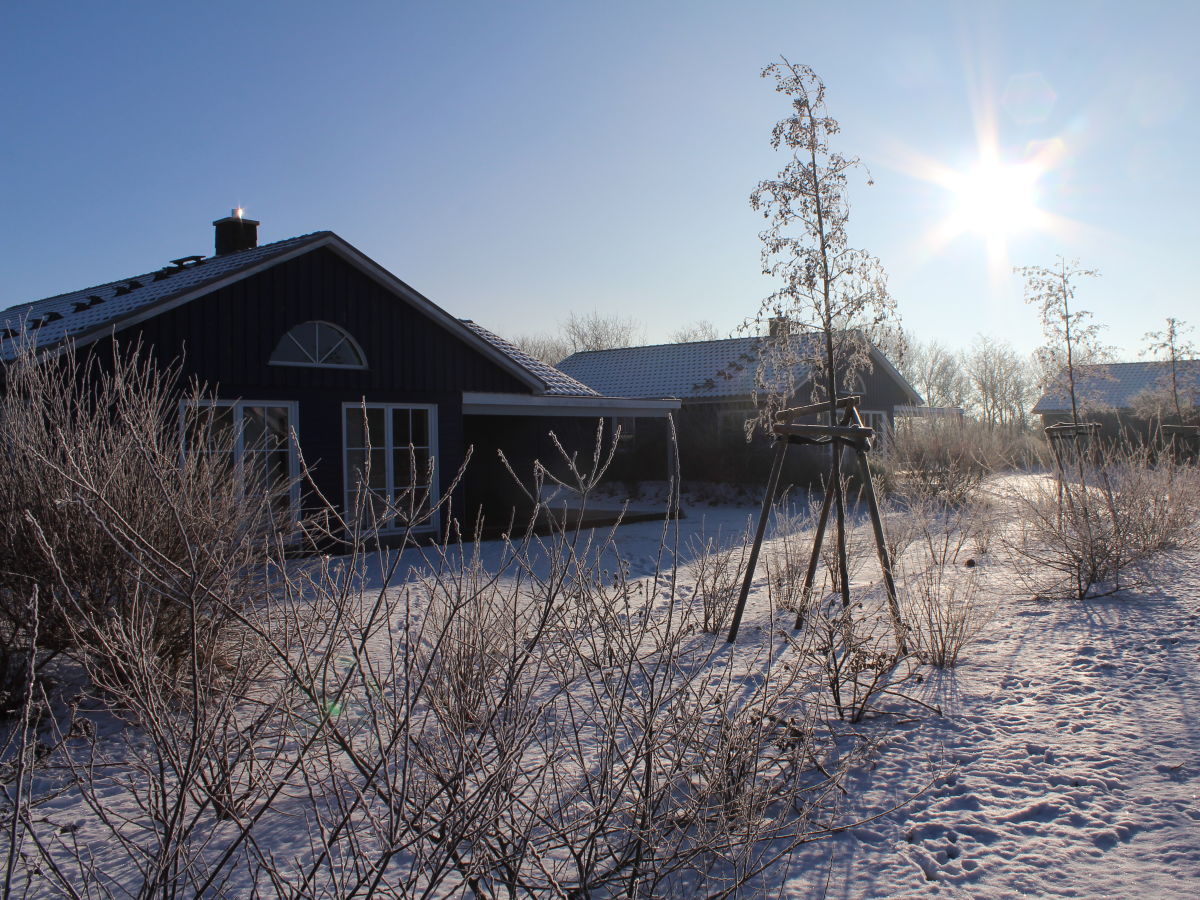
[1045, 811]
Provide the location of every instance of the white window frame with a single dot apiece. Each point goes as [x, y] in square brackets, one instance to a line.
[346, 336]
[239, 449]
[877, 419]
[349, 490]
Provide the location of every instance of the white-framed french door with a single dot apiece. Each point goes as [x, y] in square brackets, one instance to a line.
[391, 450]
[257, 437]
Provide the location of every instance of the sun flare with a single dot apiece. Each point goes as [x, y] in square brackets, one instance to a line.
[995, 200]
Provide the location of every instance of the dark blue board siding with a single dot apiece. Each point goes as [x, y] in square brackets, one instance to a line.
[225, 340]
[229, 335]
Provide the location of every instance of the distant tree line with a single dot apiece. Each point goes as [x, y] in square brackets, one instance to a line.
[990, 381]
[601, 331]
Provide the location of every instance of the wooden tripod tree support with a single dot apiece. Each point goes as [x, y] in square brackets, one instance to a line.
[850, 434]
[1083, 441]
[1082, 437]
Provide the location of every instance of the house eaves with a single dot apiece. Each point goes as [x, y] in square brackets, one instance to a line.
[479, 403]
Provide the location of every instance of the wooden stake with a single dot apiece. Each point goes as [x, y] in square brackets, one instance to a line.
[885, 562]
[768, 499]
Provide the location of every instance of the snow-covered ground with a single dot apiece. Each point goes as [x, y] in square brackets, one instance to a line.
[1064, 762]
[1069, 760]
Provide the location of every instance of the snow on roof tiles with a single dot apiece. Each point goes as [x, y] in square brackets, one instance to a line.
[557, 383]
[45, 323]
[701, 369]
[1117, 385]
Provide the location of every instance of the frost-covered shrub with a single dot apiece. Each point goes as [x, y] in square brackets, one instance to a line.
[941, 458]
[539, 725]
[134, 548]
[945, 612]
[1091, 522]
[715, 571]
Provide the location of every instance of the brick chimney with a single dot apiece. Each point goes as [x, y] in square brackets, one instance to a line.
[235, 233]
[779, 326]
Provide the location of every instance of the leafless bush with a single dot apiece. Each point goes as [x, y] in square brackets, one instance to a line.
[855, 655]
[941, 598]
[1093, 521]
[786, 557]
[900, 527]
[1161, 501]
[460, 730]
[946, 612]
[948, 535]
[860, 548]
[134, 549]
[943, 458]
[715, 571]
[1073, 535]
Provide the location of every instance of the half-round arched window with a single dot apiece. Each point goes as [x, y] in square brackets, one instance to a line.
[318, 344]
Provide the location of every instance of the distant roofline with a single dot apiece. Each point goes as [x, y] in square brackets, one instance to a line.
[1056, 398]
[877, 357]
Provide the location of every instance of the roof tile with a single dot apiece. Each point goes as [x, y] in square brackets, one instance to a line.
[1111, 386]
[557, 383]
[66, 316]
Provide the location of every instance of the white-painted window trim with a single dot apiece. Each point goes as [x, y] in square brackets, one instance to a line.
[387, 445]
[239, 449]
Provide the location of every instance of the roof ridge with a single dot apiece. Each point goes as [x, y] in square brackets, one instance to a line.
[672, 344]
[150, 274]
[1132, 362]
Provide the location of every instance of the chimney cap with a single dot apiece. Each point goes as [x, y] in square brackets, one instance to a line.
[237, 214]
[235, 233]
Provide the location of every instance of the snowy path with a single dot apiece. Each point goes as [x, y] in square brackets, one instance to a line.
[1071, 739]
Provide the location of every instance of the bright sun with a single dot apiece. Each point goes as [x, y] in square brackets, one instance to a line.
[995, 200]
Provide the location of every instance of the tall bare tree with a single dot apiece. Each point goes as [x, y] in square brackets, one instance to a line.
[937, 372]
[826, 284]
[549, 348]
[700, 330]
[1070, 334]
[601, 331]
[1171, 344]
[582, 331]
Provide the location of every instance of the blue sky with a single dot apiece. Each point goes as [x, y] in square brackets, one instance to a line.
[518, 161]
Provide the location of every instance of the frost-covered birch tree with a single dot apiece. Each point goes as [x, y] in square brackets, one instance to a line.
[1171, 345]
[826, 286]
[1071, 336]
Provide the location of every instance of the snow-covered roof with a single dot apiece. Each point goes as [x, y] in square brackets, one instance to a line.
[1116, 386]
[557, 382]
[716, 370]
[89, 313]
[80, 314]
[701, 369]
